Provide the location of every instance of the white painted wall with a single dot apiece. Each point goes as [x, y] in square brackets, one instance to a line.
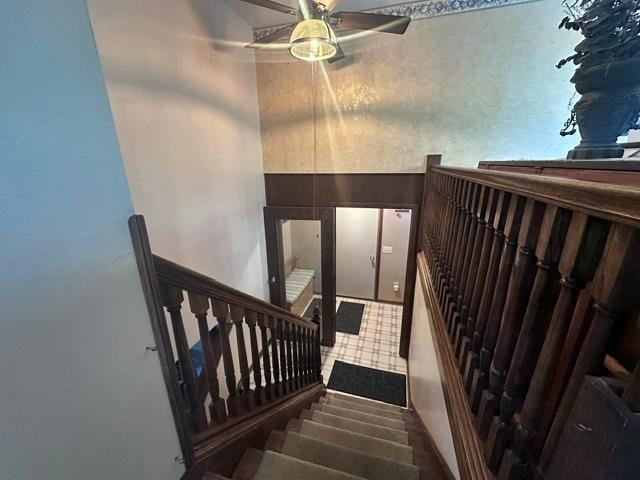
[183, 93]
[396, 226]
[425, 382]
[80, 396]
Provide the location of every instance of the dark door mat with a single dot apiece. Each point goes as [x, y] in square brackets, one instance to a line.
[368, 382]
[309, 311]
[349, 317]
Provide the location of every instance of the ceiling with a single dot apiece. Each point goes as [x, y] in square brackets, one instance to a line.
[263, 17]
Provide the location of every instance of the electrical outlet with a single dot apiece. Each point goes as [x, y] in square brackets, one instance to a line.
[396, 286]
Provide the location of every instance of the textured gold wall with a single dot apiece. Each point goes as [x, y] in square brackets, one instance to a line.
[472, 86]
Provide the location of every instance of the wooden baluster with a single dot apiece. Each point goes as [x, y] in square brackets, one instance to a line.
[283, 355]
[534, 327]
[471, 269]
[457, 219]
[172, 299]
[270, 389]
[317, 362]
[440, 206]
[441, 257]
[465, 219]
[495, 199]
[277, 383]
[297, 356]
[246, 397]
[497, 245]
[448, 248]
[580, 254]
[518, 293]
[309, 348]
[221, 312]
[290, 359]
[481, 375]
[615, 292]
[259, 393]
[199, 307]
[302, 354]
[451, 207]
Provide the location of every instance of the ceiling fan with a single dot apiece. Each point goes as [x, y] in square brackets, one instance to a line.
[312, 38]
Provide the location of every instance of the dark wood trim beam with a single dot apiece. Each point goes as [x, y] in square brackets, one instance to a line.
[380, 190]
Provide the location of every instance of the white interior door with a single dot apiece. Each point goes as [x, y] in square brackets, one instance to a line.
[356, 250]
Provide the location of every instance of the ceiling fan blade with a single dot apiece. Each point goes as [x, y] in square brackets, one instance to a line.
[338, 56]
[371, 21]
[284, 32]
[278, 7]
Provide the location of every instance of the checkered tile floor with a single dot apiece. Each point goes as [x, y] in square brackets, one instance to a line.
[375, 347]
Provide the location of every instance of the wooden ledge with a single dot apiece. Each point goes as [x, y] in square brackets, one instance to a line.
[617, 203]
[468, 447]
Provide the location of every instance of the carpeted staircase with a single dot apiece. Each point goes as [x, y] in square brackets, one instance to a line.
[341, 438]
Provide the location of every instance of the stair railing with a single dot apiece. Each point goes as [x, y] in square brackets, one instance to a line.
[532, 274]
[284, 348]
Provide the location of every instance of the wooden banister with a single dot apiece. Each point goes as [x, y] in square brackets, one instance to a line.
[617, 203]
[510, 255]
[280, 370]
[186, 278]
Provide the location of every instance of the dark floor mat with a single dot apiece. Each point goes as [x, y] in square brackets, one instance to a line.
[309, 311]
[368, 382]
[349, 317]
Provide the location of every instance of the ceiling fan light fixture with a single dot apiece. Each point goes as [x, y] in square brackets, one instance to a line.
[313, 40]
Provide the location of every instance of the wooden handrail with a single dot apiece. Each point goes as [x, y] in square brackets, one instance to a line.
[183, 301]
[187, 279]
[530, 289]
[615, 203]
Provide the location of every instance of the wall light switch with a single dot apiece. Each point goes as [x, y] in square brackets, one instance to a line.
[396, 286]
[387, 249]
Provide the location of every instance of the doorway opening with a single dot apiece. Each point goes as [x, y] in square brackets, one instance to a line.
[301, 245]
[372, 246]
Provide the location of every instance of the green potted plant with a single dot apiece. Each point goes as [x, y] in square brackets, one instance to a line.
[607, 75]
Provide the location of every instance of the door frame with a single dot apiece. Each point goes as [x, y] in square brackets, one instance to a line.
[273, 217]
[377, 190]
[376, 271]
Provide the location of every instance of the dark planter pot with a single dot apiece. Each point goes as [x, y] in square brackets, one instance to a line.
[608, 108]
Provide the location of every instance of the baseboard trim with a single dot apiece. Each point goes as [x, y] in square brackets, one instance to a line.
[467, 444]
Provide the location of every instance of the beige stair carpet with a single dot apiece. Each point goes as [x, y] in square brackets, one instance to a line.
[347, 460]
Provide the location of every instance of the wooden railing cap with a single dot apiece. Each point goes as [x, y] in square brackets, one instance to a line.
[184, 278]
[616, 203]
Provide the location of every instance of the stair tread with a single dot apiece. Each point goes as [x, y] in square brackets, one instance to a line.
[277, 466]
[357, 441]
[365, 401]
[362, 416]
[339, 457]
[364, 408]
[398, 436]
